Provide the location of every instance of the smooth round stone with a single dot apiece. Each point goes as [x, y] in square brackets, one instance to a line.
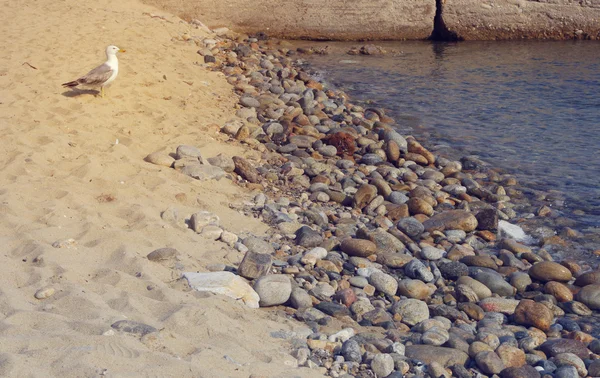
[413, 289]
[273, 290]
[384, 283]
[299, 298]
[371, 159]
[358, 247]
[455, 235]
[410, 226]
[496, 283]
[419, 206]
[44, 293]
[588, 278]
[411, 310]
[501, 305]
[558, 291]
[307, 237]
[480, 289]
[489, 362]
[162, 254]
[184, 151]
[569, 359]
[511, 356]
[250, 102]
[530, 313]
[566, 372]
[590, 296]
[288, 148]
[520, 280]
[328, 150]
[358, 281]
[451, 220]
[398, 198]
[382, 365]
[432, 253]
[258, 245]
[550, 271]
[435, 336]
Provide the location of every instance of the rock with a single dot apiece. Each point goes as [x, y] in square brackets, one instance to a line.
[453, 270]
[384, 283]
[44, 293]
[307, 237]
[511, 356]
[411, 227]
[311, 257]
[554, 347]
[487, 219]
[432, 253]
[566, 371]
[520, 281]
[160, 158]
[203, 172]
[467, 20]
[530, 313]
[184, 151]
[502, 305]
[249, 102]
[489, 362]
[162, 254]
[224, 283]
[514, 246]
[223, 162]
[351, 351]
[590, 296]
[417, 270]
[345, 296]
[333, 309]
[512, 231]
[411, 310]
[364, 195]
[258, 245]
[479, 288]
[273, 290]
[382, 365]
[464, 293]
[413, 289]
[435, 336]
[526, 371]
[429, 353]
[558, 291]
[246, 170]
[136, 328]
[358, 247]
[496, 283]
[255, 265]
[211, 232]
[419, 206]
[299, 298]
[569, 359]
[550, 271]
[588, 278]
[451, 220]
[201, 219]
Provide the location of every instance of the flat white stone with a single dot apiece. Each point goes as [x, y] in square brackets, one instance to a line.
[224, 283]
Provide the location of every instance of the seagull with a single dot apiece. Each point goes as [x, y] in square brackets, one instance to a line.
[102, 75]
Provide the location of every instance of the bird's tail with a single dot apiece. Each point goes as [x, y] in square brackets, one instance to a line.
[71, 84]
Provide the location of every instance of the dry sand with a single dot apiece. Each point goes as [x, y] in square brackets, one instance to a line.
[63, 175]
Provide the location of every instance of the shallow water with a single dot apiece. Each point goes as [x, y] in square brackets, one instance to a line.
[530, 108]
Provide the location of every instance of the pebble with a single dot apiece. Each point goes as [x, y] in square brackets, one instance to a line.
[162, 254]
[358, 247]
[413, 289]
[273, 290]
[136, 328]
[382, 365]
[44, 293]
[489, 362]
[590, 296]
[550, 271]
[412, 311]
[307, 237]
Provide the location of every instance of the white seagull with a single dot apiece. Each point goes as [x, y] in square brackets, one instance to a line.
[102, 75]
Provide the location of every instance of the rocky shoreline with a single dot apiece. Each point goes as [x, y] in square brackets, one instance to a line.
[399, 262]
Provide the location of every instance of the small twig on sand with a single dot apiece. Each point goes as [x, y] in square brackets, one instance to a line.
[27, 63]
[155, 16]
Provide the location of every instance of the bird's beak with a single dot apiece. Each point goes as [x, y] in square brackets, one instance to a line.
[122, 50]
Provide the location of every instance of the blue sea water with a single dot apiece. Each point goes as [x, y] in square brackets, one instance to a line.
[529, 108]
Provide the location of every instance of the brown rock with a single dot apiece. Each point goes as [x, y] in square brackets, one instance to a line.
[472, 310]
[417, 148]
[419, 206]
[364, 195]
[255, 265]
[358, 247]
[419, 159]
[162, 254]
[511, 356]
[588, 278]
[413, 289]
[246, 170]
[482, 261]
[526, 371]
[451, 220]
[559, 291]
[392, 151]
[396, 212]
[554, 347]
[550, 271]
[530, 313]
[514, 246]
[345, 297]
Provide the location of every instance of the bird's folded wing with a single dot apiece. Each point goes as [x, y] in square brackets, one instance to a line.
[96, 76]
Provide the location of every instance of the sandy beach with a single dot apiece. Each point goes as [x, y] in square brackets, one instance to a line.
[81, 209]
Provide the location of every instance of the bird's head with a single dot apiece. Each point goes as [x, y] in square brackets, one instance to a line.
[113, 50]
